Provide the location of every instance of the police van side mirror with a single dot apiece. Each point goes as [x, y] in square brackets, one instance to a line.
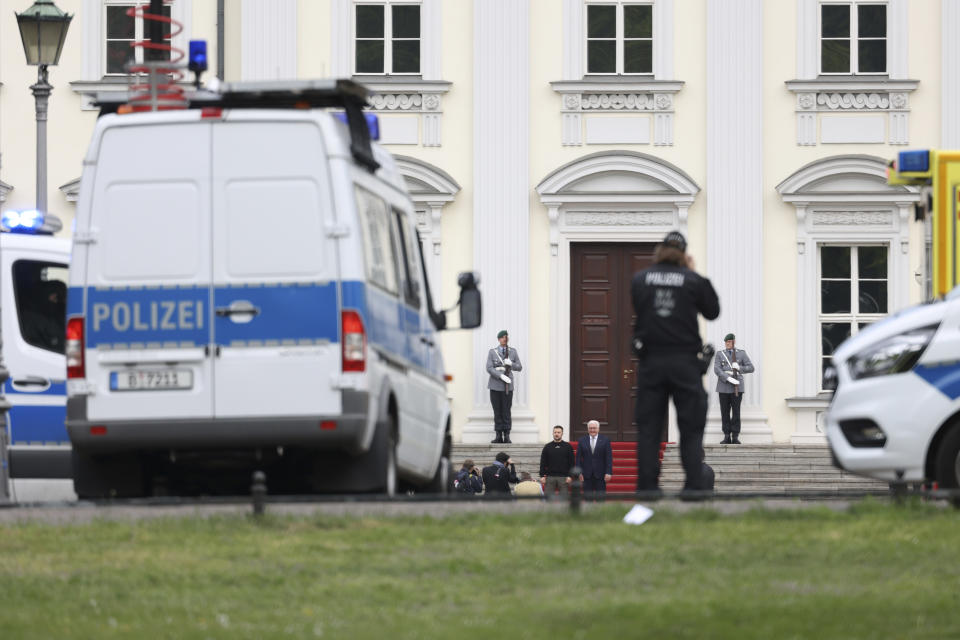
[471, 306]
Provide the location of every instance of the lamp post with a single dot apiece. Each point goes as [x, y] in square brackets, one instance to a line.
[43, 28]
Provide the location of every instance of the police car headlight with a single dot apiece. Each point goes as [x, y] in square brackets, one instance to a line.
[893, 355]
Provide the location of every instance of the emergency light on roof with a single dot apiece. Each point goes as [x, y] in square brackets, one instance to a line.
[914, 161]
[29, 222]
[198, 56]
[373, 123]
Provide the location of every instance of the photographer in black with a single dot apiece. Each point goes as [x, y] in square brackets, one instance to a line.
[666, 337]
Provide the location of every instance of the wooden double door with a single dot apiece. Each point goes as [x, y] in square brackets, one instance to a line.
[602, 366]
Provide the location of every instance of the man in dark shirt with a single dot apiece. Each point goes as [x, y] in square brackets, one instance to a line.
[498, 476]
[666, 299]
[556, 460]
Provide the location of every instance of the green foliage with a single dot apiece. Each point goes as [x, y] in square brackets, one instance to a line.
[874, 570]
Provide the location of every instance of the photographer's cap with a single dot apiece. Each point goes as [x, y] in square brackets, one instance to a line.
[676, 240]
[503, 332]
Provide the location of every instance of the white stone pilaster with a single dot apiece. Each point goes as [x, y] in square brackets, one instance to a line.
[574, 15]
[268, 39]
[501, 203]
[949, 74]
[663, 39]
[735, 206]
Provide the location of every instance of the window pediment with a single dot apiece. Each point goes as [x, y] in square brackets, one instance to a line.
[617, 181]
[844, 177]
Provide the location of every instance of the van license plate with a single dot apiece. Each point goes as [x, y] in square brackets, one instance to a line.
[151, 379]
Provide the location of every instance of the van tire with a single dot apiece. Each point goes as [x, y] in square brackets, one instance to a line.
[384, 451]
[442, 482]
[102, 477]
[947, 466]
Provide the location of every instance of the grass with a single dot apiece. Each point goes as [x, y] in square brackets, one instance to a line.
[877, 571]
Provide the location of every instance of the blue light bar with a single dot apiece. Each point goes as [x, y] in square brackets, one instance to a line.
[914, 161]
[373, 123]
[198, 56]
[22, 221]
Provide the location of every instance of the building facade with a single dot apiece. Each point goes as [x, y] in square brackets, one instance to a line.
[549, 144]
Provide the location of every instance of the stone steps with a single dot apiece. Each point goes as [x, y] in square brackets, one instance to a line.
[738, 468]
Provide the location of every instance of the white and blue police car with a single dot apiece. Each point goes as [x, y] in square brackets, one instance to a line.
[247, 291]
[33, 286]
[895, 413]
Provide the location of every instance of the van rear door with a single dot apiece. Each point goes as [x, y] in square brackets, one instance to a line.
[148, 274]
[275, 271]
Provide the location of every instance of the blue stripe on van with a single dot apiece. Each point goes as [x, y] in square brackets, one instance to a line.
[135, 315]
[74, 301]
[56, 388]
[38, 424]
[945, 378]
[299, 312]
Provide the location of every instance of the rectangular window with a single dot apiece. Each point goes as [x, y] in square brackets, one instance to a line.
[379, 248]
[411, 259]
[122, 30]
[387, 38]
[854, 289]
[853, 38]
[40, 291]
[619, 38]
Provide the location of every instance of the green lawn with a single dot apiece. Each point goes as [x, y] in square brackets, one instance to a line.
[877, 571]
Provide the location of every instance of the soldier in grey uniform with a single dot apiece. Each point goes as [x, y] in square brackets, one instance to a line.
[730, 364]
[502, 361]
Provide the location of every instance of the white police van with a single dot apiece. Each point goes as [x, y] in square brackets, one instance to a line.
[895, 413]
[33, 285]
[247, 291]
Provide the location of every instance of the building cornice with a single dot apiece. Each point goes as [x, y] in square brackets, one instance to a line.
[851, 83]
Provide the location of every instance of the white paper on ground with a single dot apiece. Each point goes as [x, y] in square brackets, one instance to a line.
[638, 515]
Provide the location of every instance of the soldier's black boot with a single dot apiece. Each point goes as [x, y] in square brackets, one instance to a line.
[726, 439]
[498, 439]
[735, 439]
[506, 437]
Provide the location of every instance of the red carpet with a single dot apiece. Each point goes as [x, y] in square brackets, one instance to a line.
[624, 466]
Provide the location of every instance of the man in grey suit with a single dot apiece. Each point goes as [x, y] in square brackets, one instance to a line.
[502, 361]
[730, 364]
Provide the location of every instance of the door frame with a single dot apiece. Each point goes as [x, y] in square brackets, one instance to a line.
[560, 320]
[618, 347]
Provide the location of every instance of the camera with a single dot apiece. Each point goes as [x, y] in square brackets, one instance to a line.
[705, 357]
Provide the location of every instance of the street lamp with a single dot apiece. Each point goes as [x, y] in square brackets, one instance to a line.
[43, 28]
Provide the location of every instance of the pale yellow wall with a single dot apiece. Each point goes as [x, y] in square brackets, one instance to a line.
[547, 154]
[782, 157]
[69, 130]
[456, 158]
[68, 126]
[313, 50]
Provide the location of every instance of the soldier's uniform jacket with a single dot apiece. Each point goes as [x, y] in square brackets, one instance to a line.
[721, 367]
[495, 368]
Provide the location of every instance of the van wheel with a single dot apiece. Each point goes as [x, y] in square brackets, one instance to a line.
[442, 481]
[100, 477]
[390, 466]
[383, 458]
[947, 467]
